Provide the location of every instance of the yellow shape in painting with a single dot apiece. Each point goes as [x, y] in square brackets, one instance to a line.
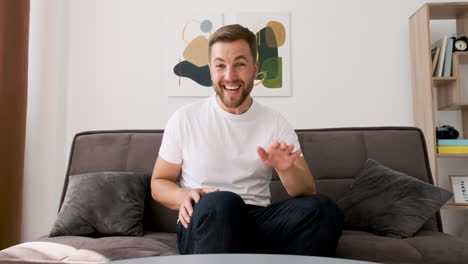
[196, 51]
[279, 30]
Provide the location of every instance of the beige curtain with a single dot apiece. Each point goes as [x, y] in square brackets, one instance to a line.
[14, 31]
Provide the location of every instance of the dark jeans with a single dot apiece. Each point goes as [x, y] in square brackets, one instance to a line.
[223, 223]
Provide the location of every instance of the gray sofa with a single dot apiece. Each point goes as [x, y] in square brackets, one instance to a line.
[334, 155]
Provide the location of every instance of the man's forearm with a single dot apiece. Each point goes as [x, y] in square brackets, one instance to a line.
[298, 179]
[167, 192]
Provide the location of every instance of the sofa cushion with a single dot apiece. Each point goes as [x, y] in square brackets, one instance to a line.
[390, 203]
[103, 203]
[77, 249]
[424, 247]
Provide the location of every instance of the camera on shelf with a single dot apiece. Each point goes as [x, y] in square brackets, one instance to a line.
[446, 132]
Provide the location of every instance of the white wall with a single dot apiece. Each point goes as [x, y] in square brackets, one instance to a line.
[353, 66]
[99, 65]
[45, 157]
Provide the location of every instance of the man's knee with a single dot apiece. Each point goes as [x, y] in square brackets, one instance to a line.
[318, 210]
[326, 214]
[218, 225]
[331, 208]
[320, 204]
[221, 204]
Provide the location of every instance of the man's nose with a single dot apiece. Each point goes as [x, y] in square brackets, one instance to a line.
[230, 74]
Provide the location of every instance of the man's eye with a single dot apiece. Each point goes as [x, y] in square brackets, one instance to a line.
[241, 64]
[219, 66]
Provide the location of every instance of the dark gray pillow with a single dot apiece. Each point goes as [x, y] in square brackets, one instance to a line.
[390, 203]
[103, 203]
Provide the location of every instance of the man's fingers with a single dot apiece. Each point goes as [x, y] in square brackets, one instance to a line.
[188, 207]
[195, 196]
[262, 153]
[296, 154]
[182, 221]
[184, 218]
[208, 190]
[274, 145]
[283, 146]
[290, 148]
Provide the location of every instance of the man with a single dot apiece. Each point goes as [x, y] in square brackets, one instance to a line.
[223, 148]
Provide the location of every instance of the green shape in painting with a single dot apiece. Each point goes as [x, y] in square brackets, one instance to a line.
[274, 72]
[265, 37]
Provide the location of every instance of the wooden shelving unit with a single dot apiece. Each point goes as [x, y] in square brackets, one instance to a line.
[449, 92]
[450, 206]
[452, 155]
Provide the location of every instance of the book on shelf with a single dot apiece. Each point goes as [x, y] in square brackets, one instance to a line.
[442, 43]
[452, 142]
[435, 57]
[448, 58]
[452, 149]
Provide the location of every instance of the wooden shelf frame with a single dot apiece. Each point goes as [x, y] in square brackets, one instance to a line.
[422, 80]
[449, 96]
[451, 206]
[436, 80]
[452, 155]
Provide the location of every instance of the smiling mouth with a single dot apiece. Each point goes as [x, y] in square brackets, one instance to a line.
[231, 87]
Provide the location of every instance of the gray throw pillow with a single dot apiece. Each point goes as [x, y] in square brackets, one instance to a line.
[390, 203]
[103, 203]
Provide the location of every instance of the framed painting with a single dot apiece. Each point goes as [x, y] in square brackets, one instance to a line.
[273, 38]
[187, 54]
[459, 185]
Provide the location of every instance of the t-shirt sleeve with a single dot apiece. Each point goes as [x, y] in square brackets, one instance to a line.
[286, 133]
[172, 141]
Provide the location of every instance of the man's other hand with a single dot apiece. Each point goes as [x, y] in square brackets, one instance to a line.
[186, 207]
[279, 155]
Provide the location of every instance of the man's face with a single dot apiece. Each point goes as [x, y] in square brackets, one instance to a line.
[233, 71]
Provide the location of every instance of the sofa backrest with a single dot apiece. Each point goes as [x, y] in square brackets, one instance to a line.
[334, 156]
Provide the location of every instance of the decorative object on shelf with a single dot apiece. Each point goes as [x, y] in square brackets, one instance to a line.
[452, 149]
[442, 43]
[460, 44]
[452, 146]
[446, 132]
[459, 185]
[452, 142]
[435, 58]
[448, 58]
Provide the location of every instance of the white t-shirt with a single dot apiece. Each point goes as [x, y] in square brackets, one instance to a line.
[218, 149]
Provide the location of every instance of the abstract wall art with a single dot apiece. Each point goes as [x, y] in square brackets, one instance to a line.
[188, 73]
[187, 68]
[273, 38]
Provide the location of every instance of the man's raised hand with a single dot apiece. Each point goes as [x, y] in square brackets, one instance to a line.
[279, 155]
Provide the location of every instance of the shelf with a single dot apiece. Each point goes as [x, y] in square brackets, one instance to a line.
[449, 92]
[446, 10]
[432, 94]
[453, 107]
[452, 155]
[436, 80]
[451, 206]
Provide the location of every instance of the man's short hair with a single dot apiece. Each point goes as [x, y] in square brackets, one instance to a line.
[231, 33]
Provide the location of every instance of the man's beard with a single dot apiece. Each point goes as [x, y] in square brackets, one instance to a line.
[219, 89]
